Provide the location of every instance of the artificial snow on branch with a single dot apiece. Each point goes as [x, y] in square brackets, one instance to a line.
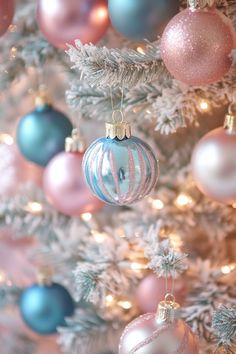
[224, 326]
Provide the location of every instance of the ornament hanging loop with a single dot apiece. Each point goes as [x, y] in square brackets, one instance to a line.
[118, 113]
[196, 4]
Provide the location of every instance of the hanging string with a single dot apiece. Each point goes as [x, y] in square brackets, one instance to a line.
[119, 111]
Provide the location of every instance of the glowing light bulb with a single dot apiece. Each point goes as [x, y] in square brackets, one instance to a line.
[109, 300]
[6, 139]
[183, 200]
[228, 268]
[34, 207]
[86, 216]
[126, 305]
[234, 205]
[99, 236]
[140, 50]
[204, 106]
[157, 204]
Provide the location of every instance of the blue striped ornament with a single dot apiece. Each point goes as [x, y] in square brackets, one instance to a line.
[120, 172]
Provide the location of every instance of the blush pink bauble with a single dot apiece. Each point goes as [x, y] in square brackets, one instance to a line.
[65, 187]
[146, 335]
[152, 290]
[64, 21]
[7, 9]
[214, 165]
[196, 46]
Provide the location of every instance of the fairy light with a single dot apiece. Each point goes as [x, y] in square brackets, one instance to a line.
[86, 216]
[12, 28]
[157, 204]
[34, 207]
[126, 305]
[204, 106]
[228, 268]
[13, 52]
[99, 236]
[175, 241]
[234, 205]
[2, 277]
[109, 300]
[184, 200]
[137, 266]
[140, 50]
[6, 139]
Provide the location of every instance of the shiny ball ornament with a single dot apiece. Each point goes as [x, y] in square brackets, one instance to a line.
[158, 334]
[196, 46]
[151, 291]
[7, 9]
[214, 163]
[120, 169]
[41, 134]
[65, 187]
[45, 307]
[141, 19]
[64, 21]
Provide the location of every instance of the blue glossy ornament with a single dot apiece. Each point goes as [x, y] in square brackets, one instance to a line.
[45, 307]
[120, 172]
[41, 134]
[141, 19]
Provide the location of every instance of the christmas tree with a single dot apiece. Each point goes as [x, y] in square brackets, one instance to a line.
[118, 182]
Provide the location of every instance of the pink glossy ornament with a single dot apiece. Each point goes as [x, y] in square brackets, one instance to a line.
[159, 334]
[65, 187]
[214, 163]
[196, 46]
[7, 9]
[64, 21]
[152, 290]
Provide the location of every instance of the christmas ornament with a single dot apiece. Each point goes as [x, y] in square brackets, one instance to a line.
[120, 169]
[160, 333]
[45, 306]
[41, 134]
[152, 290]
[142, 19]
[64, 21]
[214, 161]
[14, 170]
[7, 9]
[196, 45]
[64, 183]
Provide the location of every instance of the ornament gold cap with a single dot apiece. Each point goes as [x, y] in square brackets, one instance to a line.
[75, 143]
[230, 119]
[44, 276]
[118, 129]
[42, 99]
[167, 309]
[196, 4]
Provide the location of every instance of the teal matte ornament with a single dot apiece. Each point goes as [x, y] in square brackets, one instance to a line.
[41, 133]
[141, 19]
[45, 307]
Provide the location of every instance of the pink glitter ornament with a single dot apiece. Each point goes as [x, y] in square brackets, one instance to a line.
[64, 21]
[152, 290]
[159, 334]
[196, 46]
[214, 162]
[65, 187]
[7, 8]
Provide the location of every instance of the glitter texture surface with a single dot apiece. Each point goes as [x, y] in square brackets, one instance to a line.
[145, 335]
[196, 46]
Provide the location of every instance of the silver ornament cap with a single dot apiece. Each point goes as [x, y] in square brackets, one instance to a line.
[118, 128]
[167, 309]
[75, 143]
[230, 119]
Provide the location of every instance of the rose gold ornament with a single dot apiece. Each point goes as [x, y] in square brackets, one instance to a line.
[214, 162]
[64, 183]
[159, 333]
[152, 290]
[64, 21]
[196, 46]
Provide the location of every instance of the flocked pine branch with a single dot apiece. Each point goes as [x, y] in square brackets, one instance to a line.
[117, 67]
[9, 295]
[164, 260]
[224, 326]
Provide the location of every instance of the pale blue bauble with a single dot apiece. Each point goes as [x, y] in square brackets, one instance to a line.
[45, 307]
[141, 19]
